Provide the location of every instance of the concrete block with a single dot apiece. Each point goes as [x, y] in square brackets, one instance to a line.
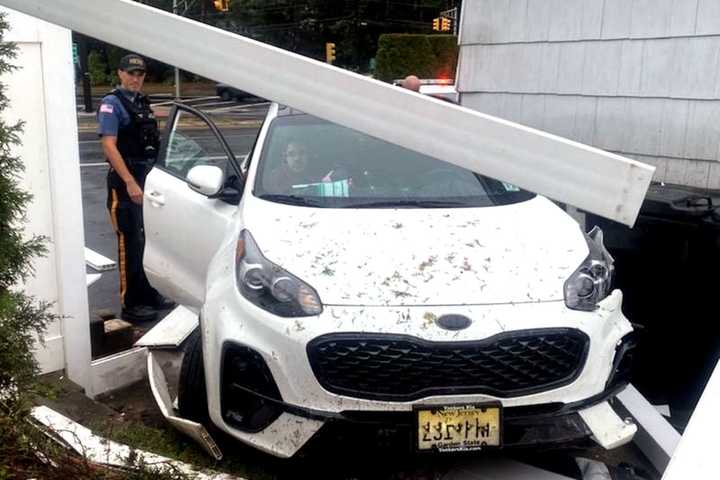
[613, 123]
[616, 19]
[630, 67]
[656, 63]
[539, 15]
[696, 174]
[682, 18]
[570, 70]
[703, 131]
[585, 116]
[566, 21]
[602, 67]
[673, 128]
[708, 17]
[650, 18]
[645, 125]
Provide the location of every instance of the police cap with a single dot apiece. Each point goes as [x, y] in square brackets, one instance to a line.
[132, 63]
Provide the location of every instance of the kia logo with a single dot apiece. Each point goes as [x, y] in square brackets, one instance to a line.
[453, 322]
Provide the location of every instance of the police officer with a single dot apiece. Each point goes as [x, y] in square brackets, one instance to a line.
[129, 135]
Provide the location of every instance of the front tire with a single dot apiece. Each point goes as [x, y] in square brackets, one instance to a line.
[192, 393]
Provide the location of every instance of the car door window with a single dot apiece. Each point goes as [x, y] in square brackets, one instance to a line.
[192, 142]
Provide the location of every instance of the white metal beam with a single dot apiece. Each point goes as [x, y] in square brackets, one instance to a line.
[573, 173]
[656, 438]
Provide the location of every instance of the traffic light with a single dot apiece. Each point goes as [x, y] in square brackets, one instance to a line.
[444, 24]
[330, 53]
[222, 5]
[436, 24]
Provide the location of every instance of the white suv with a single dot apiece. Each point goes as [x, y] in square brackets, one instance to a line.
[340, 279]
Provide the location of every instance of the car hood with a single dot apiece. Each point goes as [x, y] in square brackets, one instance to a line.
[515, 253]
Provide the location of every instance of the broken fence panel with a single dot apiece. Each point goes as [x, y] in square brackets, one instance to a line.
[656, 438]
[106, 452]
[696, 457]
[588, 178]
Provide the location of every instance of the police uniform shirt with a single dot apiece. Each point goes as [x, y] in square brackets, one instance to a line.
[112, 115]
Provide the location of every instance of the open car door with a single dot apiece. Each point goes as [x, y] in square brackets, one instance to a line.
[183, 227]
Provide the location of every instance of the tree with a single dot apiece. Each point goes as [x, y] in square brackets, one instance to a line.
[22, 318]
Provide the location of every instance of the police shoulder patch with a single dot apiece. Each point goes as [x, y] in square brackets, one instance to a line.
[106, 108]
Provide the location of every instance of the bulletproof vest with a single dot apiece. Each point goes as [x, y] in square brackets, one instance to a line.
[139, 141]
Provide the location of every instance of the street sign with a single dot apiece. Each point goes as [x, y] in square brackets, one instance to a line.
[569, 172]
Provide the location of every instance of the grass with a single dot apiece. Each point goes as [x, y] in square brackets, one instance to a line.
[170, 443]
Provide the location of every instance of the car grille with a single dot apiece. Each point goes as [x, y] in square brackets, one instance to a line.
[402, 368]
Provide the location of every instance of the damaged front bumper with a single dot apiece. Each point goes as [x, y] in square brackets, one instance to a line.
[263, 391]
[548, 425]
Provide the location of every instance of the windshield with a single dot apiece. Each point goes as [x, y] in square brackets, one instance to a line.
[312, 162]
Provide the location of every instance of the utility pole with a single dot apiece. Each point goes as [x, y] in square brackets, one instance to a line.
[177, 70]
[83, 57]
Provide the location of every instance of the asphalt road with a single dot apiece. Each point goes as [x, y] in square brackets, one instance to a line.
[103, 295]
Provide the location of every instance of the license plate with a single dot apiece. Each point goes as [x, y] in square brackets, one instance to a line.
[459, 427]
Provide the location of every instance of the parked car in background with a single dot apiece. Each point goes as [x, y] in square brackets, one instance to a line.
[342, 280]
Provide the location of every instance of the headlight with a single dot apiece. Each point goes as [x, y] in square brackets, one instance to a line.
[269, 286]
[592, 281]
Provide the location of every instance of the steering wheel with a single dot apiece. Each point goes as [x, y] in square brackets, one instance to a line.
[449, 182]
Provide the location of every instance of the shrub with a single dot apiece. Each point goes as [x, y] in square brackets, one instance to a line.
[427, 56]
[97, 69]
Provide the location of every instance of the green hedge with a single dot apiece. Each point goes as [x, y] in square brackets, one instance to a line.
[427, 56]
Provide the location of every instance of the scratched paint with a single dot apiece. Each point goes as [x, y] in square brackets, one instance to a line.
[393, 257]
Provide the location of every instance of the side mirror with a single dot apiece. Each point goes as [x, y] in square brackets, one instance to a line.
[206, 179]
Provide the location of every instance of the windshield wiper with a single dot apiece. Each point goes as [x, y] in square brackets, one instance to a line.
[290, 200]
[409, 203]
